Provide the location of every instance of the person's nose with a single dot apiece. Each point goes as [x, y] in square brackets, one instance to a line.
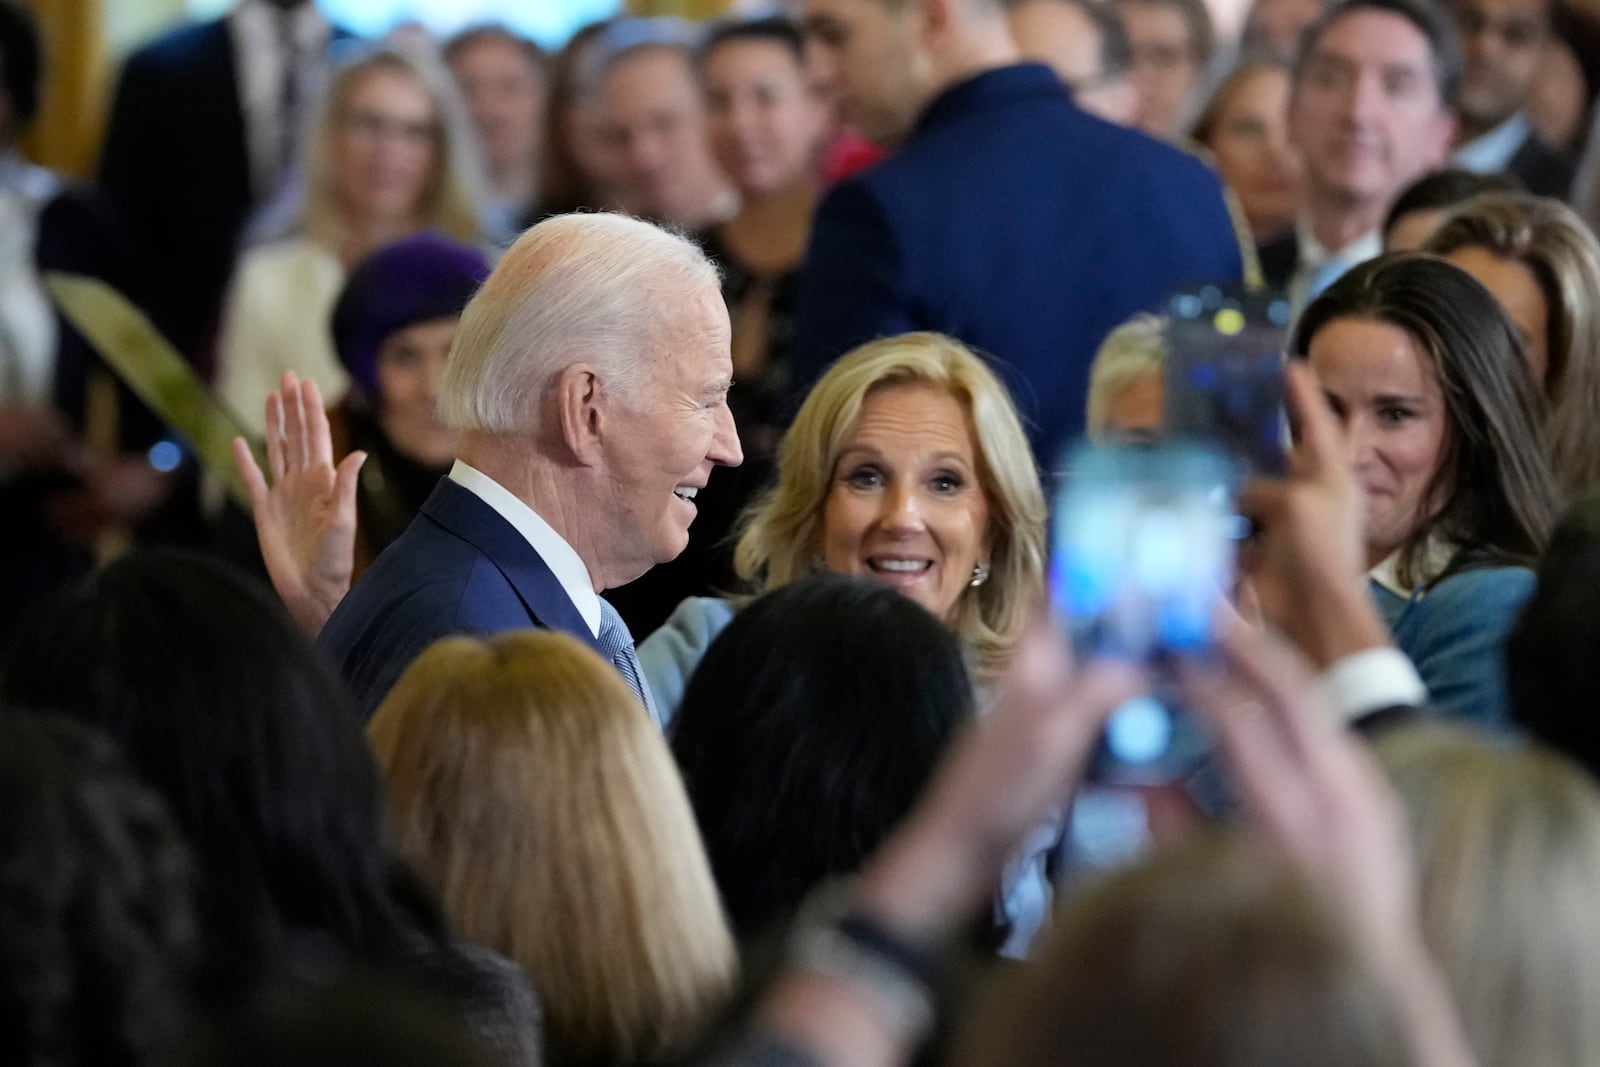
[1363, 98]
[1361, 442]
[725, 447]
[902, 511]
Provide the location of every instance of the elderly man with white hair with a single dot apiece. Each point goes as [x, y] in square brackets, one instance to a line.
[588, 383]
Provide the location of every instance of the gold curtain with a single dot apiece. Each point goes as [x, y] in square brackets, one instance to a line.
[81, 39]
[689, 9]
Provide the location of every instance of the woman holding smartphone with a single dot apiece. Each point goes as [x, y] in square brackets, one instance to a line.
[1441, 417]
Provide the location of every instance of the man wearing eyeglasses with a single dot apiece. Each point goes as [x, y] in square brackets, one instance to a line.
[1502, 44]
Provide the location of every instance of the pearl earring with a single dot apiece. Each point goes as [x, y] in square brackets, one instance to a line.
[980, 574]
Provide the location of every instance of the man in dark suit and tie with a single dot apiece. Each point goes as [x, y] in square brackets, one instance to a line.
[589, 383]
[1008, 217]
[203, 128]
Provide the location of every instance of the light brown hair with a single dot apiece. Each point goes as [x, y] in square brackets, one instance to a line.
[527, 781]
[449, 202]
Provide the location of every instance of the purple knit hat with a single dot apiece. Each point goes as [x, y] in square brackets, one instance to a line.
[415, 279]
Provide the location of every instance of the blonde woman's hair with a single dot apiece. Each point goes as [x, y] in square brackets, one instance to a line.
[527, 781]
[783, 531]
[1213, 951]
[1132, 352]
[1508, 841]
[450, 199]
[1556, 246]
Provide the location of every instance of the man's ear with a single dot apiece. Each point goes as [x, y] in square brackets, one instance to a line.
[936, 20]
[578, 412]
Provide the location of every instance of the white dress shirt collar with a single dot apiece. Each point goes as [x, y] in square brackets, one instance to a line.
[1311, 257]
[1491, 152]
[563, 561]
[1434, 558]
[255, 27]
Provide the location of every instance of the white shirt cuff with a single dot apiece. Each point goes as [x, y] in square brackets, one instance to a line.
[1371, 681]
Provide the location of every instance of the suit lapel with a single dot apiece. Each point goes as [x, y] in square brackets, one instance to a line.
[464, 514]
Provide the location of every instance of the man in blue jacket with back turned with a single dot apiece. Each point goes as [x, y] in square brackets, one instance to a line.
[1006, 217]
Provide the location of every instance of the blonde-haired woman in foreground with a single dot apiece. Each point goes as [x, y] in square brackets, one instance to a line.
[1508, 853]
[526, 782]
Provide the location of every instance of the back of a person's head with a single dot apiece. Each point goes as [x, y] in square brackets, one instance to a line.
[1213, 953]
[1441, 190]
[96, 904]
[1552, 673]
[221, 704]
[808, 730]
[526, 780]
[1508, 845]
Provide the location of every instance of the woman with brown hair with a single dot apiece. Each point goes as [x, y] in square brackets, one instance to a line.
[523, 778]
[1543, 264]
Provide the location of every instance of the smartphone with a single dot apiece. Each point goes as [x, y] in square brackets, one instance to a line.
[1224, 374]
[1144, 542]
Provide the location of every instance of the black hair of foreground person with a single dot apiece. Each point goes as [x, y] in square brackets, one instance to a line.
[1551, 668]
[221, 704]
[807, 732]
[96, 904]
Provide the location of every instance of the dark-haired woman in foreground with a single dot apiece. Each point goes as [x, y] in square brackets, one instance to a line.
[807, 732]
[220, 703]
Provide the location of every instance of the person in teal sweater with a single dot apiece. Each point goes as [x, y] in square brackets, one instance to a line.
[1442, 418]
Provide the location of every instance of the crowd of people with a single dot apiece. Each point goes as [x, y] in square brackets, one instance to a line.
[643, 643]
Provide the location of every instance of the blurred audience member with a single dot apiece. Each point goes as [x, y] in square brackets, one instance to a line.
[502, 80]
[1426, 202]
[97, 924]
[1171, 42]
[1245, 127]
[75, 461]
[1084, 43]
[1550, 661]
[652, 118]
[588, 384]
[1126, 382]
[808, 731]
[1503, 43]
[389, 156]
[223, 707]
[1561, 100]
[1543, 265]
[579, 170]
[393, 327]
[1508, 849]
[205, 126]
[1007, 218]
[1278, 26]
[1442, 419]
[526, 781]
[1215, 951]
[766, 127]
[1369, 112]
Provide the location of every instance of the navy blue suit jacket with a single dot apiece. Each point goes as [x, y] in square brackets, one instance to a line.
[1020, 225]
[458, 568]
